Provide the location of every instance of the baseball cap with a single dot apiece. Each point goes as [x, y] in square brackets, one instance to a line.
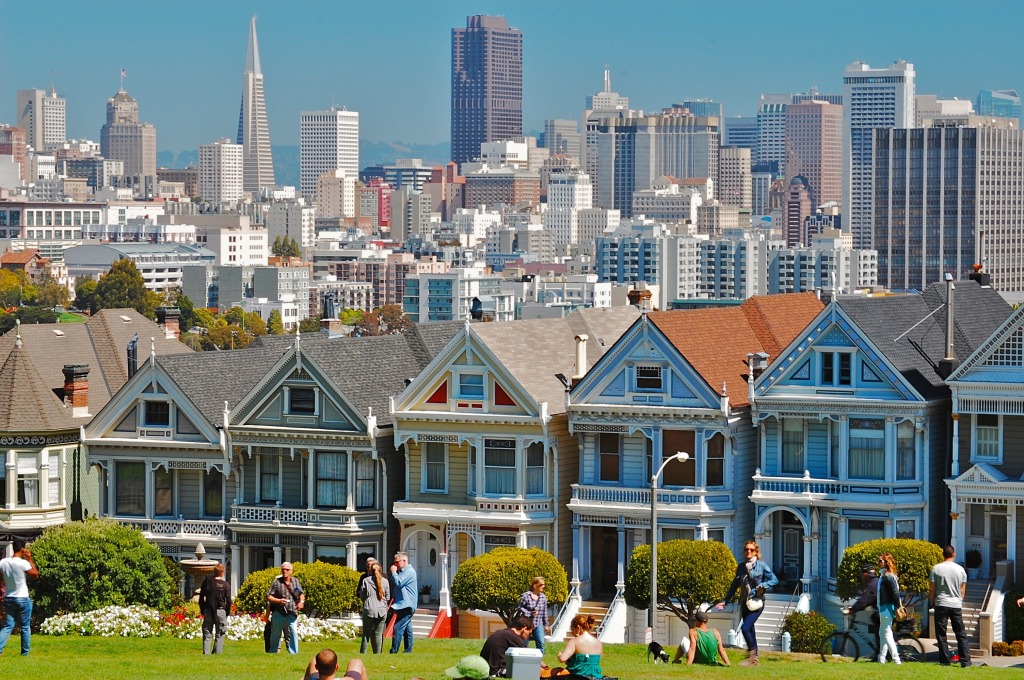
[701, 616]
[472, 667]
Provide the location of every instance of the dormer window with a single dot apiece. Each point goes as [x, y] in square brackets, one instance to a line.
[648, 378]
[158, 414]
[835, 368]
[302, 401]
[471, 386]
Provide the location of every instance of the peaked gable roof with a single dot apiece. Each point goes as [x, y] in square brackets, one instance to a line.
[716, 341]
[910, 330]
[998, 359]
[28, 404]
[100, 342]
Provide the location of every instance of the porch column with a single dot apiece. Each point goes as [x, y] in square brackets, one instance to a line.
[278, 559]
[808, 552]
[575, 578]
[620, 570]
[444, 596]
[311, 481]
[844, 535]
[236, 553]
[351, 554]
[956, 437]
[702, 532]
[11, 480]
[521, 538]
[958, 530]
[150, 496]
[1011, 538]
[44, 478]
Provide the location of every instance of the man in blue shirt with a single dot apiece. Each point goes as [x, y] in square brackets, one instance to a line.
[403, 580]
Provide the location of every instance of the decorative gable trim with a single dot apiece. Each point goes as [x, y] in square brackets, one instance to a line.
[1003, 349]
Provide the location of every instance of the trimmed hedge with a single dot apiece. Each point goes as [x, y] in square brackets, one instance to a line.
[914, 562]
[690, 573]
[495, 581]
[330, 589]
[808, 631]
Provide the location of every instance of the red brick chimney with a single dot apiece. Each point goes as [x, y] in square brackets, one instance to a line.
[169, 318]
[76, 389]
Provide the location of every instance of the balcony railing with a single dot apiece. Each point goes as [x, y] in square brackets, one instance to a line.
[532, 507]
[303, 517]
[619, 496]
[177, 528]
[830, 489]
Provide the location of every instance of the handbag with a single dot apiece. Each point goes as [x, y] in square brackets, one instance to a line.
[901, 613]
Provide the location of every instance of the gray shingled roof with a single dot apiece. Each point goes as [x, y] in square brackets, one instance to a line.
[911, 329]
[28, 405]
[101, 343]
[535, 350]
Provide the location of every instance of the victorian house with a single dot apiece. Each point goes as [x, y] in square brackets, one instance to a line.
[853, 428]
[484, 433]
[53, 377]
[675, 382]
[985, 479]
[279, 452]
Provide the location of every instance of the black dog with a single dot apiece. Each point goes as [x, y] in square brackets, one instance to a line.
[658, 652]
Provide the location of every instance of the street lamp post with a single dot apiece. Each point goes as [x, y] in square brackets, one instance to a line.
[682, 457]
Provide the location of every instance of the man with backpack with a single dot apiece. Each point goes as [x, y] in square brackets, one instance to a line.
[215, 605]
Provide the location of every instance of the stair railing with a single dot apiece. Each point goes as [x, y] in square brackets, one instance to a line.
[568, 609]
[615, 616]
[777, 633]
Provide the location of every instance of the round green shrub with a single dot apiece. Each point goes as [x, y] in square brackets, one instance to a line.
[808, 631]
[1013, 616]
[494, 581]
[92, 564]
[330, 589]
[690, 573]
[914, 562]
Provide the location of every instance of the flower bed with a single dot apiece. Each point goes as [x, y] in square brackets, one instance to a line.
[139, 621]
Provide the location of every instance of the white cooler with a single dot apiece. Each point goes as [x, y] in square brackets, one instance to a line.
[523, 663]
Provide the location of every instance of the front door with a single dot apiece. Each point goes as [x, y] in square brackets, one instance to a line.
[997, 544]
[604, 561]
[790, 554]
[425, 555]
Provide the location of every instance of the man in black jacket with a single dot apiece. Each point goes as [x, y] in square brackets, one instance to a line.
[215, 605]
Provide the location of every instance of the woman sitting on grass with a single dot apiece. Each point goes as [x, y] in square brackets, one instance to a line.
[582, 653]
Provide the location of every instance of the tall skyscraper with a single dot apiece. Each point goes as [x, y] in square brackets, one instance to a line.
[328, 141]
[814, 148]
[734, 177]
[487, 85]
[873, 98]
[771, 130]
[601, 105]
[253, 129]
[43, 117]
[562, 137]
[1005, 103]
[220, 171]
[123, 138]
[947, 198]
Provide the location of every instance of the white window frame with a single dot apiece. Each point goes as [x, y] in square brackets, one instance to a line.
[782, 444]
[346, 460]
[543, 470]
[537, 540]
[459, 386]
[515, 493]
[288, 400]
[650, 367]
[853, 432]
[425, 466]
[975, 440]
[259, 478]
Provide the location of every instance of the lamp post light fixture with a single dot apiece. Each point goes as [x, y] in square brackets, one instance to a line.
[682, 457]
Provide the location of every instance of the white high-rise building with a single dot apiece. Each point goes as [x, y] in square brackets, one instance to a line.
[336, 195]
[293, 219]
[568, 194]
[328, 141]
[220, 171]
[734, 177]
[253, 128]
[874, 98]
[43, 117]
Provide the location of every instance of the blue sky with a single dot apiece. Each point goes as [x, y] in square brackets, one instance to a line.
[390, 61]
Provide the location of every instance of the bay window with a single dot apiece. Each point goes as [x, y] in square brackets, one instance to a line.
[906, 451]
[28, 479]
[130, 489]
[715, 471]
[366, 474]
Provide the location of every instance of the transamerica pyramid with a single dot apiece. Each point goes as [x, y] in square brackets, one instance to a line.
[253, 131]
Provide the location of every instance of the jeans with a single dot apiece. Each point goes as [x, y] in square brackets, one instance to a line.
[403, 629]
[954, 616]
[538, 636]
[20, 608]
[373, 633]
[284, 622]
[886, 640]
[747, 627]
[214, 619]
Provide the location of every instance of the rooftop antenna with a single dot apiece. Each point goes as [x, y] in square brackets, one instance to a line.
[124, 74]
[53, 89]
[607, 79]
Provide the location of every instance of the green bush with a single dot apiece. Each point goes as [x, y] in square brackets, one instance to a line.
[914, 562]
[1013, 616]
[330, 589]
[92, 564]
[808, 631]
[690, 573]
[495, 581]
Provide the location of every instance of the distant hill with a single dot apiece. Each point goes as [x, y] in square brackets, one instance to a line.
[286, 158]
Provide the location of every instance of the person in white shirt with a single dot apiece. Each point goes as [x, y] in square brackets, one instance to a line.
[15, 569]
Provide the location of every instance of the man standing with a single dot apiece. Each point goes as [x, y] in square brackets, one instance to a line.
[286, 599]
[947, 587]
[14, 570]
[214, 605]
[496, 647]
[403, 580]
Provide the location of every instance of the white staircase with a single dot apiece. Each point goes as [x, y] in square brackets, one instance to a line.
[974, 604]
[423, 621]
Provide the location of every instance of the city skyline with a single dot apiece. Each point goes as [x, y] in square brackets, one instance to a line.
[393, 67]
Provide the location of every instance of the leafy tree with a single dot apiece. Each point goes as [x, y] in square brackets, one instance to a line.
[204, 318]
[255, 324]
[12, 287]
[92, 564]
[123, 286]
[495, 581]
[225, 336]
[385, 320]
[351, 317]
[234, 316]
[690, 573]
[186, 310]
[277, 248]
[330, 589]
[27, 315]
[52, 294]
[294, 250]
[310, 325]
[85, 292]
[914, 562]
[275, 326]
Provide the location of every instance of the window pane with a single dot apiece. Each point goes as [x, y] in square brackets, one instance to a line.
[434, 459]
[158, 413]
[610, 446]
[331, 475]
[130, 488]
[716, 460]
[302, 400]
[471, 386]
[535, 469]
[213, 494]
[906, 456]
[163, 501]
[987, 433]
[678, 473]
[365, 478]
[500, 467]
[648, 377]
[793, 446]
[867, 449]
[54, 485]
[472, 471]
[269, 487]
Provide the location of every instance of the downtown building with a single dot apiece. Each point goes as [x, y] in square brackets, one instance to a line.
[947, 198]
[814, 143]
[328, 141]
[487, 85]
[599, 106]
[253, 128]
[123, 138]
[43, 117]
[873, 98]
[221, 171]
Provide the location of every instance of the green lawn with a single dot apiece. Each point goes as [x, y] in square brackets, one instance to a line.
[68, 317]
[101, 658]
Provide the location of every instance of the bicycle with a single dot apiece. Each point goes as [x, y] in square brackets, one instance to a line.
[844, 643]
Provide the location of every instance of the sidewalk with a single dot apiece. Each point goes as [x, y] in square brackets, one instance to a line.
[932, 656]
